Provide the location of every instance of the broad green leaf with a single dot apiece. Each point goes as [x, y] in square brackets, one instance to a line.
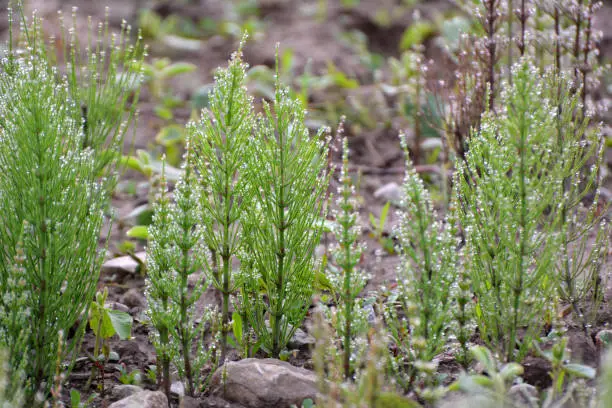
[237, 326]
[580, 371]
[75, 398]
[177, 68]
[121, 322]
[101, 323]
[139, 232]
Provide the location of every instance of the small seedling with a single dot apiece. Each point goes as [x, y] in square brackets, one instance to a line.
[105, 323]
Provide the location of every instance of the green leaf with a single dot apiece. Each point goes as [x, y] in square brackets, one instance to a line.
[383, 216]
[580, 371]
[163, 112]
[340, 79]
[121, 322]
[237, 326]
[416, 34]
[176, 69]
[139, 232]
[100, 322]
[170, 135]
[75, 398]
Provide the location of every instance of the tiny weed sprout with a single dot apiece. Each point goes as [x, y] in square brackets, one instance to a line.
[58, 164]
[288, 178]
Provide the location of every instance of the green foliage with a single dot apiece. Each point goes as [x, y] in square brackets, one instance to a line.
[512, 199]
[288, 181]
[427, 272]
[174, 254]
[347, 281]
[490, 388]
[105, 323]
[76, 400]
[61, 135]
[221, 145]
[129, 377]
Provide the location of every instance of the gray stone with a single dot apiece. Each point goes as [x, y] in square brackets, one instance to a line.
[301, 340]
[177, 388]
[389, 192]
[122, 391]
[134, 298]
[143, 399]
[123, 264]
[264, 383]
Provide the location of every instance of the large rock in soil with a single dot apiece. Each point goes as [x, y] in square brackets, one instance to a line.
[265, 383]
[144, 399]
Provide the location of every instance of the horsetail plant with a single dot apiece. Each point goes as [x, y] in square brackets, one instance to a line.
[346, 279]
[192, 255]
[175, 253]
[510, 191]
[162, 260]
[220, 142]
[54, 188]
[287, 173]
[426, 274]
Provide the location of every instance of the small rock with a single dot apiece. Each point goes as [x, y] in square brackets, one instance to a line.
[122, 391]
[123, 264]
[523, 395]
[117, 306]
[190, 402]
[177, 388]
[301, 340]
[257, 383]
[389, 192]
[133, 298]
[143, 399]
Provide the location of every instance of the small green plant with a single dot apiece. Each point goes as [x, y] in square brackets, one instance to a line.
[175, 253]
[105, 323]
[491, 387]
[129, 377]
[347, 280]
[284, 222]
[76, 400]
[562, 373]
[221, 145]
[243, 340]
[379, 229]
[429, 262]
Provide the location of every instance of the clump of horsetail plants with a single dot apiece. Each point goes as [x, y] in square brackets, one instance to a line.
[288, 177]
[512, 205]
[56, 172]
[221, 146]
[346, 279]
[426, 274]
[174, 254]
